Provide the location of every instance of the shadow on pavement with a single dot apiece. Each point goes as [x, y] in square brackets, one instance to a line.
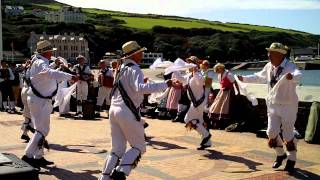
[67, 148]
[165, 145]
[303, 174]
[252, 165]
[70, 175]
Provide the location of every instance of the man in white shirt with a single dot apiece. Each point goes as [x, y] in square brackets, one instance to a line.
[43, 86]
[83, 71]
[105, 84]
[196, 93]
[125, 120]
[282, 104]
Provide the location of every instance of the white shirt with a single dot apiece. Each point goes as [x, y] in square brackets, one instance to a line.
[286, 93]
[43, 78]
[196, 83]
[133, 83]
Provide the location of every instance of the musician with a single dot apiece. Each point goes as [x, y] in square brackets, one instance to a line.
[83, 71]
[105, 85]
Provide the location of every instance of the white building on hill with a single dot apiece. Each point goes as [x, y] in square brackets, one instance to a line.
[13, 10]
[66, 14]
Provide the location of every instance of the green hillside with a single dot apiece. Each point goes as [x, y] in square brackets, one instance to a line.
[173, 36]
[147, 21]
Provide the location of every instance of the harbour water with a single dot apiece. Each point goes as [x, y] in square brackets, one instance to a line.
[309, 78]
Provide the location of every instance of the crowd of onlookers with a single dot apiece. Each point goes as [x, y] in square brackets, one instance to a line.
[174, 106]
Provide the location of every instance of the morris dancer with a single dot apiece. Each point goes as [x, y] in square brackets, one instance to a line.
[125, 121]
[43, 86]
[282, 105]
[196, 92]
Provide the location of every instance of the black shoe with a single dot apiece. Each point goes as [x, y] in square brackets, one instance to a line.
[97, 115]
[42, 162]
[32, 162]
[279, 160]
[25, 137]
[203, 147]
[205, 140]
[203, 143]
[118, 175]
[78, 116]
[290, 166]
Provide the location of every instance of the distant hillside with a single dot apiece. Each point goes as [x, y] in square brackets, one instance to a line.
[173, 36]
[148, 21]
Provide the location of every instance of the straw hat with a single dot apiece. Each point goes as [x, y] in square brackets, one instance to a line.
[44, 46]
[217, 66]
[277, 47]
[131, 47]
[193, 59]
[80, 57]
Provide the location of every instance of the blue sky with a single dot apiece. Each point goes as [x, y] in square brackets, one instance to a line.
[303, 15]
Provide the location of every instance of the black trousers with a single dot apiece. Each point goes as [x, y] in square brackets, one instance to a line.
[6, 91]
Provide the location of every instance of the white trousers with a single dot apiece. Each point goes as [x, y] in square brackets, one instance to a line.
[195, 114]
[103, 94]
[40, 110]
[24, 96]
[82, 90]
[26, 110]
[282, 117]
[124, 128]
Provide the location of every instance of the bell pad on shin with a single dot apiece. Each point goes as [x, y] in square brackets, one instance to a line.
[290, 145]
[272, 143]
[193, 124]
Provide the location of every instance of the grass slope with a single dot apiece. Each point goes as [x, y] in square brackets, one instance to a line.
[149, 21]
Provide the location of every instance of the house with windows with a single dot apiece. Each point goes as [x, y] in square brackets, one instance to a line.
[66, 14]
[69, 46]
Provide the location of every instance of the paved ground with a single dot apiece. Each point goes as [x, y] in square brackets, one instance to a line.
[79, 147]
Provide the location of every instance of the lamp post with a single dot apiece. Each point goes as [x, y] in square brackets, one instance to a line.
[1, 47]
[318, 48]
